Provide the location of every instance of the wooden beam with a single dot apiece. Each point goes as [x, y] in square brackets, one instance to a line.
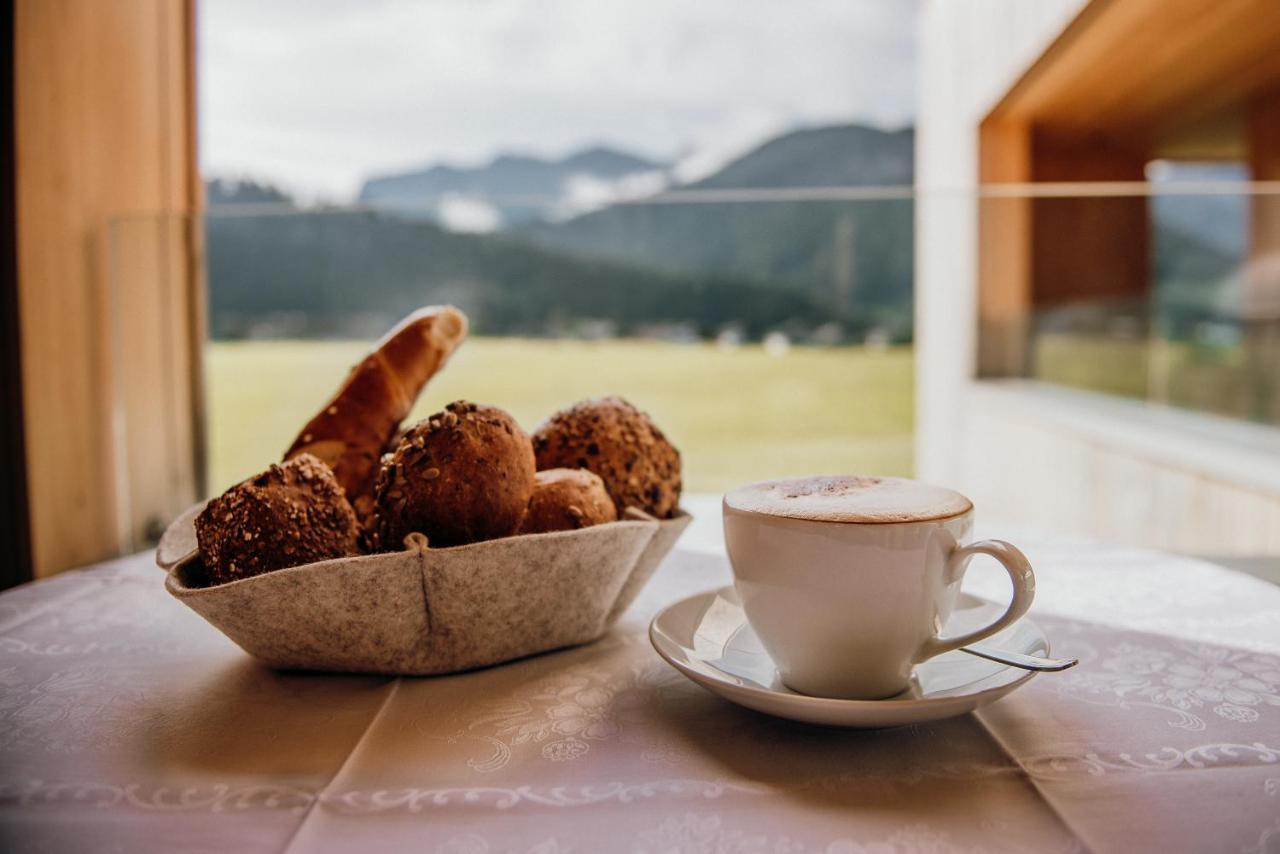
[1004, 257]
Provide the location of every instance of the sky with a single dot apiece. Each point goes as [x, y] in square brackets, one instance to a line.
[317, 95]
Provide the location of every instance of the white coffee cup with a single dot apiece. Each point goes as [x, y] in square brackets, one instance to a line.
[848, 580]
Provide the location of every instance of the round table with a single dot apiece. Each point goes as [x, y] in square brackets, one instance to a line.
[128, 724]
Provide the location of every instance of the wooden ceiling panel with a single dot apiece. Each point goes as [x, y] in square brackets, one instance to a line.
[1138, 71]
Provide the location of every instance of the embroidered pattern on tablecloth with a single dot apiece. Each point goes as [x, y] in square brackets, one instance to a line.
[216, 798]
[1185, 680]
[70, 710]
[692, 833]
[1100, 764]
[222, 797]
[562, 715]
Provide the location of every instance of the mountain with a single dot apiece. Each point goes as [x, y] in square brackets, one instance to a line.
[310, 274]
[852, 258]
[1220, 221]
[757, 267]
[1198, 246]
[517, 188]
[840, 155]
[605, 162]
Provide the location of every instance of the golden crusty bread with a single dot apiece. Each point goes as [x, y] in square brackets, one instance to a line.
[351, 431]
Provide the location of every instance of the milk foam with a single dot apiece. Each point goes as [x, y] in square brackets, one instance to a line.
[849, 498]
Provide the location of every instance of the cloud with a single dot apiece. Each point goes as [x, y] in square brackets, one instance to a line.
[317, 93]
[585, 193]
[460, 212]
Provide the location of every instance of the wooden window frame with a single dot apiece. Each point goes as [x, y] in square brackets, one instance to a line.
[1124, 83]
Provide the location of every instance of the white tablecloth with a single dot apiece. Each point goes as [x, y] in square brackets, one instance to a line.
[128, 724]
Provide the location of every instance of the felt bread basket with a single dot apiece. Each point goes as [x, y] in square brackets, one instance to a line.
[428, 611]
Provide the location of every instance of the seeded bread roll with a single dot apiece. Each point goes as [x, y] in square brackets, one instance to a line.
[291, 514]
[618, 442]
[463, 475]
[567, 499]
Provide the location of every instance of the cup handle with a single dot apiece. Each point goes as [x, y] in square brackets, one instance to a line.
[1024, 591]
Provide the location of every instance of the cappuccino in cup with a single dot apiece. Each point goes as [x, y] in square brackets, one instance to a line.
[848, 579]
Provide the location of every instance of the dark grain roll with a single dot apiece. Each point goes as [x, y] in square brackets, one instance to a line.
[610, 437]
[463, 475]
[293, 513]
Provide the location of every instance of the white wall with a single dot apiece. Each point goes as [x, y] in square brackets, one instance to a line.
[971, 52]
[1121, 470]
[1029, 455]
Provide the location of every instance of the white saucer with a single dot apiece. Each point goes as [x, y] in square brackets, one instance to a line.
[706, 637]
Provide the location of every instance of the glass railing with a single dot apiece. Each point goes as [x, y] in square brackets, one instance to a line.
[145, 374]
[769, 331]
[1166, 293]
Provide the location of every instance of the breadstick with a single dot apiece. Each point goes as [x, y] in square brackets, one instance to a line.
[351, 431]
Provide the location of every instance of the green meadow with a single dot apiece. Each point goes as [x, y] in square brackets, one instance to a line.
[737, 415]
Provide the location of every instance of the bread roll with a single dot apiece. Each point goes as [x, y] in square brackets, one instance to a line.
[288, 515]
[460, 476]
[567, 499]
[622, 445]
